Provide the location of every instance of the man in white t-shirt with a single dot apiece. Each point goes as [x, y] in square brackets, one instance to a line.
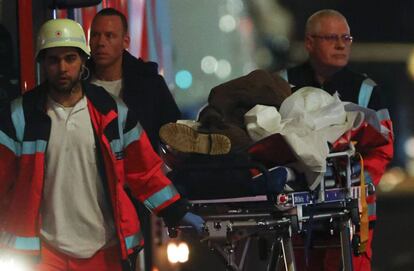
[67, 151]
[135, 81]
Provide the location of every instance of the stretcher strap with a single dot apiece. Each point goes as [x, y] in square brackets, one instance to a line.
[364, 227]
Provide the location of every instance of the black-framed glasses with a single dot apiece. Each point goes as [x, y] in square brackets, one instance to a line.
[346, 38]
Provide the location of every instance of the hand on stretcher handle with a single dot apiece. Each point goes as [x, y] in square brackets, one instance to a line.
[189, 221]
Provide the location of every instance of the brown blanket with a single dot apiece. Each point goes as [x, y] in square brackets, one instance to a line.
[228, 102]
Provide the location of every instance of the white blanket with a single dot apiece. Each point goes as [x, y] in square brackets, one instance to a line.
[308, 120]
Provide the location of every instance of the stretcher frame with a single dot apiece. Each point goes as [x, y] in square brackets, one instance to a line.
[230, 224]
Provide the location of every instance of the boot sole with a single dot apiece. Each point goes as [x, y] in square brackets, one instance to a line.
[185, 139]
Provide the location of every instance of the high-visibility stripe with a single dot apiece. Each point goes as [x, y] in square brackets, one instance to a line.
[160, 197]
[372, 209]
[20, 147]
[20, 243]
[133, 240]
[365, 92]
[122, 115]
[28, 147]
[125, 139]
[10, 143]
[383, 114]
[32, 147]
[27, 243]
[116, 146]
[17, 116]
[132, 135]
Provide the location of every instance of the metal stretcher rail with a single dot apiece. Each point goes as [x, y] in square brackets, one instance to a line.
[231, 219]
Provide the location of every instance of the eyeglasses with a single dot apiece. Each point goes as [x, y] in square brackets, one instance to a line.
[346, 38]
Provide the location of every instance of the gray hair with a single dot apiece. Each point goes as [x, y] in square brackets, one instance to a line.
[314, 19]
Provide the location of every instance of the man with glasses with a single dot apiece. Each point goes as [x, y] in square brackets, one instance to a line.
[328, 42]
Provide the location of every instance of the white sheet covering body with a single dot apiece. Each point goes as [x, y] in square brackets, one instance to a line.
[308, 120]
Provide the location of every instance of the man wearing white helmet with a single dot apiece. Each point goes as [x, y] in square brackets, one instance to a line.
[67, 150]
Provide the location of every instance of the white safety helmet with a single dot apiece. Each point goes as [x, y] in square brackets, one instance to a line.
[61, 33]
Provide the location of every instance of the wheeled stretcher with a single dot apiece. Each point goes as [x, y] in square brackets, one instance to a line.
[231, 221]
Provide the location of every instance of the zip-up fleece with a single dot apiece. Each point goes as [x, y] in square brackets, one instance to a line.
[128, 160]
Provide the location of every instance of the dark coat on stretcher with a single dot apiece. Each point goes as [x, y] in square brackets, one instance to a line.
[230, 175]
[228, 102]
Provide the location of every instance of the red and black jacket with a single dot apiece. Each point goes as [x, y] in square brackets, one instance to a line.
[126, 154]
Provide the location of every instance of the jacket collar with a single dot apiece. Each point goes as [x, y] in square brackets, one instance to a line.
[311, 77]
[99, 97]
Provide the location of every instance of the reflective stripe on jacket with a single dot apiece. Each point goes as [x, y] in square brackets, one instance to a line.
[128, 159]
[362, 91]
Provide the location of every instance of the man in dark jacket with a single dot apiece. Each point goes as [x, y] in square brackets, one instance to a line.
[328, 42]
[136, 82]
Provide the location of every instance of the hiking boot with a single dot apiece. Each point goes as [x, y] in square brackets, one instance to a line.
[185, 139]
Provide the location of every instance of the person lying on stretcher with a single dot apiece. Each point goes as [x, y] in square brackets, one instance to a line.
[301, 128]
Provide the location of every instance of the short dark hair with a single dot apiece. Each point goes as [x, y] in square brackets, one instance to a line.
[41, 55]
[113, 12]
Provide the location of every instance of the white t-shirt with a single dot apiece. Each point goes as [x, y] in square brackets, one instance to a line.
[76, 217]
[113, 87]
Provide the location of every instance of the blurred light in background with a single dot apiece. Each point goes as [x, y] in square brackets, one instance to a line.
[391, 179]
[209, 64]
[178, 253]
[409, 167]
[204, 48]
[409, 147]
[410, 65]
[223, 69]
[9, 264]
[183, 79]
[409, 151]
[227, 23]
